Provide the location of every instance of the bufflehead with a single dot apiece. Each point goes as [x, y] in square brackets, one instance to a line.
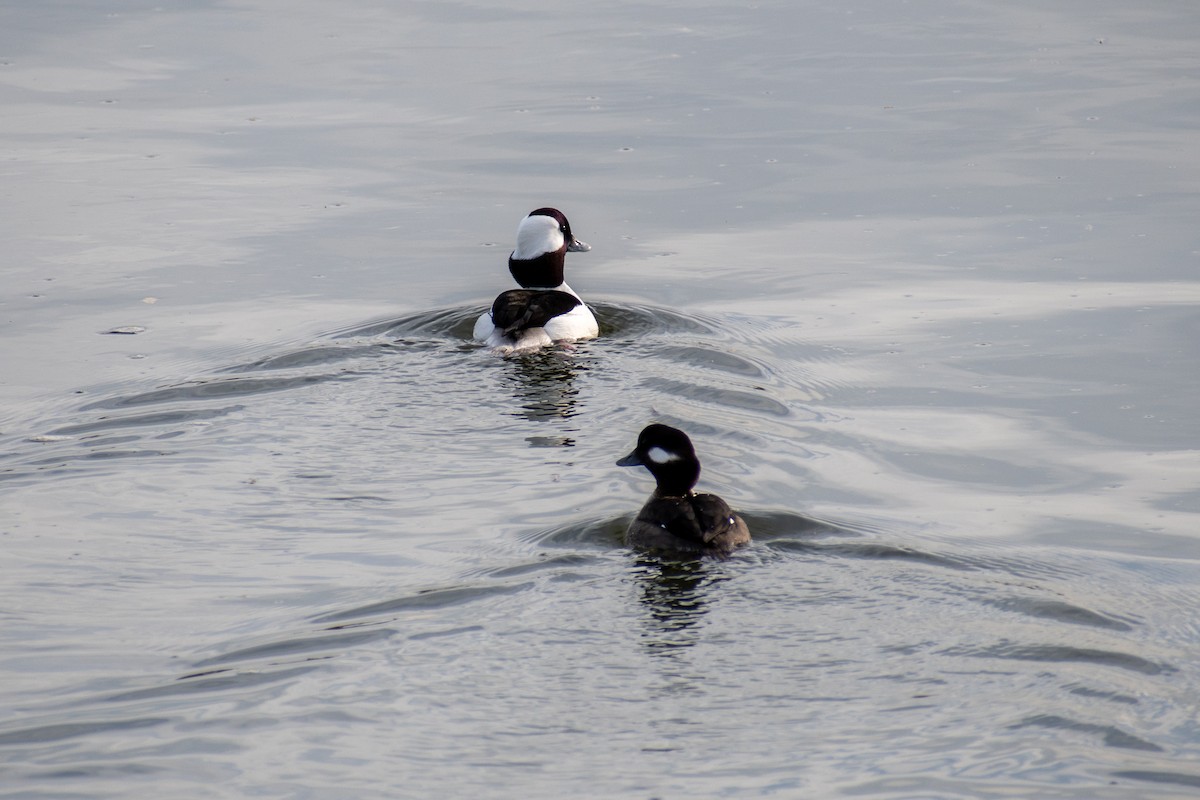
[674, 518]
[545, 309]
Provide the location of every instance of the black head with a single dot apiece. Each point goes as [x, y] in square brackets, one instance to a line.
[543, 239]
[668, 453]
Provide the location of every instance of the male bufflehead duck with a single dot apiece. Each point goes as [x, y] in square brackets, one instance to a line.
[544, 309]
[674, 518]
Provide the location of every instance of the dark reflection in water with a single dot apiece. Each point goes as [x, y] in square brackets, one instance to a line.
[543, 384]
[674, 595]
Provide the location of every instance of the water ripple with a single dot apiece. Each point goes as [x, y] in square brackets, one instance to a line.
[1059, 611]
[57, 733]
[218, 388]
[211, 681]
[425, 600]
[297, 646]
[877, 551]
[730, 398]
[1063, 654]
[1111, 735]
[1190, 780]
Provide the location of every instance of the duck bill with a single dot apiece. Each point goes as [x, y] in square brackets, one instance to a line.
[630, 460]
[577, 246]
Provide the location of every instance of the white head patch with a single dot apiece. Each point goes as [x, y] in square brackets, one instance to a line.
[536, 235]
[660, 456]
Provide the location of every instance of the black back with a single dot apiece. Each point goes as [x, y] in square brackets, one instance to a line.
[520, 309]
[701, 519]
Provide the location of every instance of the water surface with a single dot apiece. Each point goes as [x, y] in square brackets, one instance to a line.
[919, 280]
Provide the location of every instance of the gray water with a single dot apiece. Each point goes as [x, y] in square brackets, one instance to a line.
[919, 279]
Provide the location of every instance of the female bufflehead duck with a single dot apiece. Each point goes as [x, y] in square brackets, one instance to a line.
[674, 518]
[544, 309]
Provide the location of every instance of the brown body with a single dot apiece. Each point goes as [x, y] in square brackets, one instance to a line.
[697, 523]
[676, 519]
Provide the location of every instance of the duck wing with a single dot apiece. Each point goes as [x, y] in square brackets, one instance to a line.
[715, 520]
[520, 309]
[676, 516]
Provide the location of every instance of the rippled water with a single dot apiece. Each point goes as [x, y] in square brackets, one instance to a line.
[919, 281]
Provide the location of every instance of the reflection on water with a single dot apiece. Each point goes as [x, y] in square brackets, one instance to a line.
[673, 594]
[543, 386]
